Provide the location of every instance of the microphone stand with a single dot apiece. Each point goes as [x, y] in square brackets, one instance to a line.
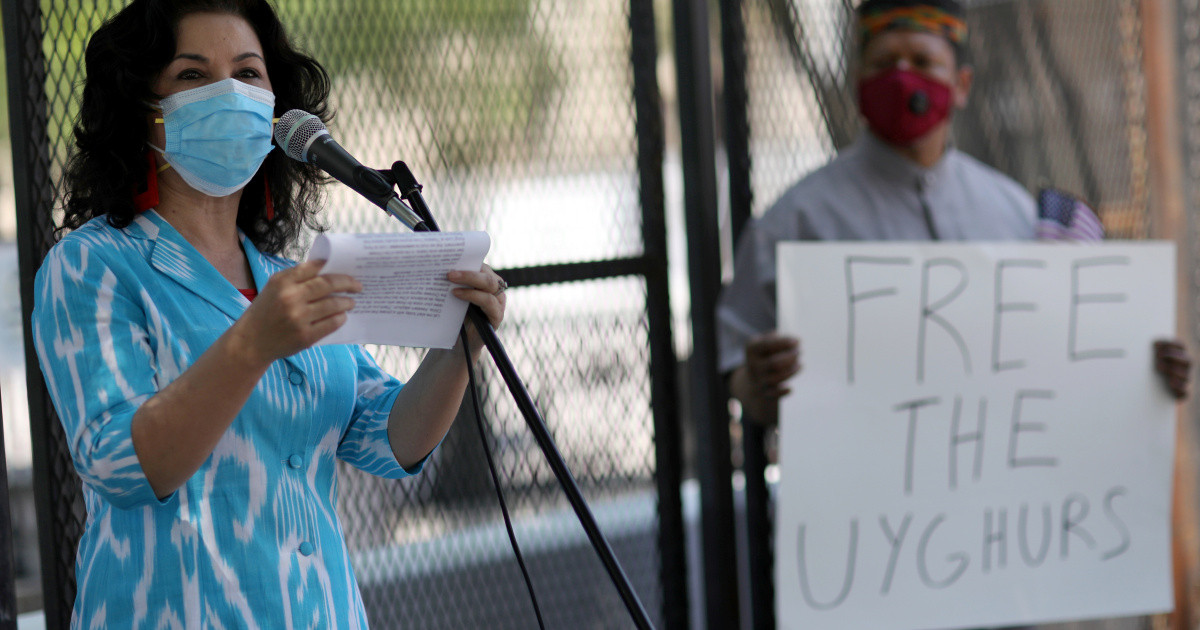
[410, 191]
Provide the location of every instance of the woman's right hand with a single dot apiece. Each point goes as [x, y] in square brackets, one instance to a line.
[295, 310]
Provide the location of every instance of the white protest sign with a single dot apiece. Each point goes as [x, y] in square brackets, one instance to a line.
[978, 436]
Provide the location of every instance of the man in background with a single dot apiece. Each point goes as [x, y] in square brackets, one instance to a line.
[902, 180]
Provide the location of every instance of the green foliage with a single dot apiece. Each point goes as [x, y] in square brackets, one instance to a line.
[476, 73]
[67, 26]
[460, 15]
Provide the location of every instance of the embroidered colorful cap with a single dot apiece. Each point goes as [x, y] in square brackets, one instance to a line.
[940, 17]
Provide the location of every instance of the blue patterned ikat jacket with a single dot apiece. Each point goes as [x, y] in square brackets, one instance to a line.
[252, 540]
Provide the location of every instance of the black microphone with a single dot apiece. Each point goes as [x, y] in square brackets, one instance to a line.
[304, 138]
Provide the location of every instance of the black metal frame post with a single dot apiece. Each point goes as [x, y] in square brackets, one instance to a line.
[56, 490]
[741, 199]
[664, 392]
[709, 401]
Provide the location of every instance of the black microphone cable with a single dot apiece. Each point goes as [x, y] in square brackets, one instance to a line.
[512, 536]
[304, 138]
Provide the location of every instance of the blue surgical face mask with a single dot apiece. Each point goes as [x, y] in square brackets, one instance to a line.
[217, 135]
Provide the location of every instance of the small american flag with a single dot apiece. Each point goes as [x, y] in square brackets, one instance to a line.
[1063, 217]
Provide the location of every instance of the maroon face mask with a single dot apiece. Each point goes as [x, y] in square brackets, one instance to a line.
[901, 106]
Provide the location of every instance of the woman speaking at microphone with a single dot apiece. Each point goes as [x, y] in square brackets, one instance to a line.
[178, 346]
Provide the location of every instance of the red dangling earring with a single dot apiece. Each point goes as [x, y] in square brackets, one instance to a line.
[148, 198]
[267, 195]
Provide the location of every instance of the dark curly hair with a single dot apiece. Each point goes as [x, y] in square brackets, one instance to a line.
[123, 58]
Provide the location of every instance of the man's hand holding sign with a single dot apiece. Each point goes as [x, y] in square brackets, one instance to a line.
[979, 436]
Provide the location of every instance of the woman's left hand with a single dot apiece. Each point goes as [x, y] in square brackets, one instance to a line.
[1173, 363]
[427, 405]
[484, 289]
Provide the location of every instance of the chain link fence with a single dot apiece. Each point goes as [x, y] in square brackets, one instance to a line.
[520, 119]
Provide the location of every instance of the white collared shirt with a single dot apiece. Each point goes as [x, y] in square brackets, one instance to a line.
[869, 192]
